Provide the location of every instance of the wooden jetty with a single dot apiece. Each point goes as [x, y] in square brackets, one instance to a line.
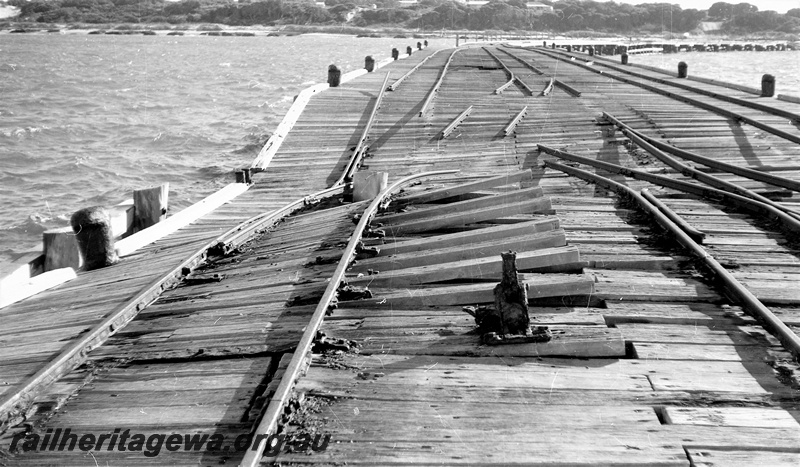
[330, 316]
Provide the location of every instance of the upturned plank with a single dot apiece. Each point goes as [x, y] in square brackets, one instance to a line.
[481, 268]
[459, 218]
[539, 286]
[494, 232]
[464, 252]
[449, 192]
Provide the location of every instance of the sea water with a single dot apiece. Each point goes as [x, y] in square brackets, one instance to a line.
[86, 119]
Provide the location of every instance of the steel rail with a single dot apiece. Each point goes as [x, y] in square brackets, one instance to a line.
[694, 233]
[455, 123]
[567, 87]
[685, 99]
[276, 404]
[509, 73]
[75, 353]
[398, 81]
[736, 289]
[361, 147]
[714, 164]
[515, 121]
[733, 100]
[435, 89]
[691, 172]
[788, 222]
[526, 64]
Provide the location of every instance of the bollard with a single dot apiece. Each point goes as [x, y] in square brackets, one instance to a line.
[426, 42]
[369, 63]
[553, 45]
[544, 43]
[569, 48]
[334, 76]
[92, 227]
[767, 86]
[591, 51]
[409, 50]
[419, 45]
[624, 59]
[396, 53]
[683, 70]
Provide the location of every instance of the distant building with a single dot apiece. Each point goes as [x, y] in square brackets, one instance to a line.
[539, 7]
[407, 2]
[476, 3]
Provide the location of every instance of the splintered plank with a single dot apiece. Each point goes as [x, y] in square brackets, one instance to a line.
[617, 312]
[495, 232]
[650, 286]
[476, 204]
[482, 268]
[567, 341]
[460, 218]
[539, 286]
[448, 192]
[455, 433]
[465, 252]
[707, 457]
[732, 416]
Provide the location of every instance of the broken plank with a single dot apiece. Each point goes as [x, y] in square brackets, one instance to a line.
[448, 192]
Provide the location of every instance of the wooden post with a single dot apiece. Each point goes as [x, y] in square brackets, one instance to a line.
[150, 206]
[767, 86]
[511, 299]
[396, 53]
[369, 63]
[92, 227]
[419, 45]
[368, 184]
[409, 50]
[624, 59]
[683, 70]
[60, 249]
[334, 76]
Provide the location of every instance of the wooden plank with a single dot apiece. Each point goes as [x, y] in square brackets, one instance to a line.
[35, 285]
[539, 286]
[494, 232]
[465, 252]
[567, 341]
[732, 416]
[482, 268]
[707, 457]
[476, 204]
[535, 205]
[451, 191]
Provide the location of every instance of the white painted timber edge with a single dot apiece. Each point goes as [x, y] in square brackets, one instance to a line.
[128, 245]
[12, 293]
[276, 140]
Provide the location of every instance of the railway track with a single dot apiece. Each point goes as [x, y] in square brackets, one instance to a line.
[655, 230]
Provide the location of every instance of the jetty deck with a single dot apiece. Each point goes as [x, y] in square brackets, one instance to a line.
[656, 357]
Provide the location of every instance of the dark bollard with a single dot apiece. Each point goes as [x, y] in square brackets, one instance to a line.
[624, 59]
[683, 70]
[396, 53]
[409, 50]
[369, 63]
[553, 45]
[426, 42]
[544, 43]
[419, 45]
[591, 51]
[767, 86]
[92, 228]
[569, 48]
[334, 76]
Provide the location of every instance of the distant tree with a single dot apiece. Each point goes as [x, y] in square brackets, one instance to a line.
[720, 10]
[794, 12]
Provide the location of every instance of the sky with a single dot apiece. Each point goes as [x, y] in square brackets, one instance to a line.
[781, 6]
